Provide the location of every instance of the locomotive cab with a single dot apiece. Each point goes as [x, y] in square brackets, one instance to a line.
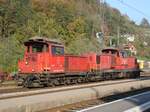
[111, 51]
[108, 58]
[42, 55]
[36, 47]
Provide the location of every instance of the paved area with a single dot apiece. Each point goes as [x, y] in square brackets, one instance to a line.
[137, 103]
[40, 102]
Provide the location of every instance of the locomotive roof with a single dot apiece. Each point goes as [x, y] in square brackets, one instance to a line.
[42, 40]
[110, 48]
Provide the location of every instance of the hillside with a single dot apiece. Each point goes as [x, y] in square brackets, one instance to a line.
[74, 22]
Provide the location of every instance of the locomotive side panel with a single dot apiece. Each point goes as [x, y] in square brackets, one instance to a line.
[92, 61]
[106, 62]
[29, 64]
[57, 64]
[74, 64]
[121, 63]
[132, 63]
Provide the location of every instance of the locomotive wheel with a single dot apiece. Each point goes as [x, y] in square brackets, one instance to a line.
[65, 82]
[31, 81]
[75, 81]
[50, 83]
[68, 81]
[79, 80]
[138, 74]
[20, 82]
[27, 83]
[55, 82]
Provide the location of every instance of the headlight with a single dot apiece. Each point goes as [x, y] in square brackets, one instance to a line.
[26, 62]
[19, 70]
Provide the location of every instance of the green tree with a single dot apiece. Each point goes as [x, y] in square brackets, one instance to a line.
[145, 23]
[13, 14]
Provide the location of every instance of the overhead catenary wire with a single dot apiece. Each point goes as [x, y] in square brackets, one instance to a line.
[133, 8]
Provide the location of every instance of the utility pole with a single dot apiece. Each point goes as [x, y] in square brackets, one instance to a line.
[102, 17]
[118, 36]
[100, 35]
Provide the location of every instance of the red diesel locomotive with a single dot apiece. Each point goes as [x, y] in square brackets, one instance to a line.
[46, 64]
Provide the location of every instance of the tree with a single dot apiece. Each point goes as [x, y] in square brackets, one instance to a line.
[74, 22]
[13, 14]
[145, 23]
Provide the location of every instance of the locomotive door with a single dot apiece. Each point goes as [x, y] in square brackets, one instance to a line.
[57, 59]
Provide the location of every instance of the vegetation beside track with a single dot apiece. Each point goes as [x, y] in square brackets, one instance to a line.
[73, 22]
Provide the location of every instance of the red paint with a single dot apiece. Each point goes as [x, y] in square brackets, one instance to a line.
[53, 60]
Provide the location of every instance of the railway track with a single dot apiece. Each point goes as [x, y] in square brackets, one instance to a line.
[46, 99]
[20, 92]
[4, 88]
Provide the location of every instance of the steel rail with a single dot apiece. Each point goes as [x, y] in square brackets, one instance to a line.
[73, 87]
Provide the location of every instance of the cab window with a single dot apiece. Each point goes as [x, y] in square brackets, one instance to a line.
[56, 50]
[39, 48]
[125, 53]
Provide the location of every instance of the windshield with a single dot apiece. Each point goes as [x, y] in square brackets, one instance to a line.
[56, 50]
[39, 48]
[125, 53]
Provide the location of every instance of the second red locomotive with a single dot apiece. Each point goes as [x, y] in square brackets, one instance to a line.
[46, 64]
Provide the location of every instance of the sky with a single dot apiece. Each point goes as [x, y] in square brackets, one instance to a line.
[143, 6]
